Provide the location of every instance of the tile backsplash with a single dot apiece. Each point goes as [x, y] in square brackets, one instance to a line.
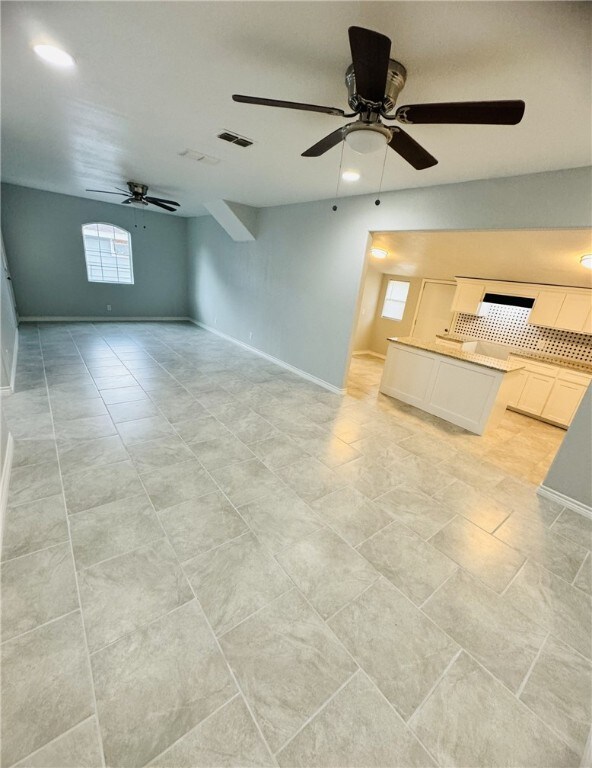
[507, 325]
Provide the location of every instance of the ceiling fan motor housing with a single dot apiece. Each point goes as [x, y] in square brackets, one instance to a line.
[395, 82]
[136, 189]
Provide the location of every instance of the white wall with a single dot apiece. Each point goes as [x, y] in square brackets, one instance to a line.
[293, 292]
[8, 323]
[367, 313]
[571, 470]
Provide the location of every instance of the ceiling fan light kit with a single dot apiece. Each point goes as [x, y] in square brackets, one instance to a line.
[138, 196]
[374, 82]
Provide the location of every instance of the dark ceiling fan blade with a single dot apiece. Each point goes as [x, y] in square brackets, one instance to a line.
[370, 56]
[107, 192]
[287, 105]
[160, 200]
[464, 112]
[161, 205]
[325, 144]
[410, 150]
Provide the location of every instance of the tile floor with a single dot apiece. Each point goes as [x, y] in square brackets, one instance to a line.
[208, 561]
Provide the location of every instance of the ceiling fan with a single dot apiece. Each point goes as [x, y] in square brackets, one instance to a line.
[137, 195]
[374, 81]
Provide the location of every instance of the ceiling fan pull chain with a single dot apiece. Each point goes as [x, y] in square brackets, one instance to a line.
[334, 207]
[377, 201]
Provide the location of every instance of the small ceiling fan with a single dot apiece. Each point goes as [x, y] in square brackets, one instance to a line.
[374, 82]
[137, 195]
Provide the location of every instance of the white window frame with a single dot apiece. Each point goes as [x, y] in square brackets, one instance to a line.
[396, 305]
[93, 267]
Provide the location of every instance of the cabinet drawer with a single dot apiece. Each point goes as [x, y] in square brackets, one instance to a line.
[574, 377]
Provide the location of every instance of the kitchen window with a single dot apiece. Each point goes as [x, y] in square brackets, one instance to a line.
[395, 300]
[108, 254]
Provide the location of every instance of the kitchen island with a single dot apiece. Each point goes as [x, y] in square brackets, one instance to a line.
[465, 388]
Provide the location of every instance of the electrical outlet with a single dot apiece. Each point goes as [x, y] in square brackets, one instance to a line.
[108, 307]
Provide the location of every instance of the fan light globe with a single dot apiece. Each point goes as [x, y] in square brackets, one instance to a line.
[378, 253]
[586, 260]
[366, 140]
[350, 176]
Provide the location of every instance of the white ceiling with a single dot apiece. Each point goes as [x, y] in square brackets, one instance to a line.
[531, 256]
[155, 78]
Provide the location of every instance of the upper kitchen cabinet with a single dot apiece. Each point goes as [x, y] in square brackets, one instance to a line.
[468, 297]
[546, 308]
[565, 309]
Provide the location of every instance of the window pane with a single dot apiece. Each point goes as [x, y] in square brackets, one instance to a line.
[395, 299]
[108, 253]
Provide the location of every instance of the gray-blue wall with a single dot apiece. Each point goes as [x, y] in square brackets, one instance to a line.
[43, 240]
[293, 292]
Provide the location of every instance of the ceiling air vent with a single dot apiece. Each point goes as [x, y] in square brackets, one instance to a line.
[234, 138]
[199, 157]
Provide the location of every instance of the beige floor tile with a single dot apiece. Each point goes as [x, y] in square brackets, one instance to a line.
[559, 691]
[121, 594]
[479, 508]
[34, 525]
[560, 555]
[401, 650]
[78, 748]
[287, 663]
[35, 482]
[563, 610]
[280, 519]
[410, 563]
[76, 455]
[155, 685]
[37, 588]
[235, 580]
[418, 511]
[46, 687]
[310, 479]
[198, 525]
[351, 514]
[113, 529]
[85, 428]
[326, 570]
[575, 527]
[140, 409]
[583, 579]
[95, 487]
[221, 451]
[247, 481]
[452, 724]
[142, 430]
[356, 728]
[31, 451]
[480, 553]
[500, 637]
[277, 451]
[176, 483]
[228, 738]
[159, 453]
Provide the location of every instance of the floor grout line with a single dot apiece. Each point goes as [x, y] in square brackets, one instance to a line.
[526, 677]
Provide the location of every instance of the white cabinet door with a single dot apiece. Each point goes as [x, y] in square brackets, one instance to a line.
[563, 402]
[535, 393]
[546, 308]
[574, 312]
[467, 298]
[517, 388]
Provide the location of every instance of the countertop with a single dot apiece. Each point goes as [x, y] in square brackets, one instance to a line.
[468, 357]
[527, 354]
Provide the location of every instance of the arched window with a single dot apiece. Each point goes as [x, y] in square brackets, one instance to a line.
[108, 254]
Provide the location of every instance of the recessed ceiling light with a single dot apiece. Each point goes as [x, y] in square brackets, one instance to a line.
[586, 260]
[350, 176]
[53, 55]
[378, 253]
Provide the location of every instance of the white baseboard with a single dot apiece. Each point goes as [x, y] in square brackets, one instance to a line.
[567, 501]
[4, 483]
[98, 319]
[368, 352]
[5, 390]
[14, 357]
[275, 360]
